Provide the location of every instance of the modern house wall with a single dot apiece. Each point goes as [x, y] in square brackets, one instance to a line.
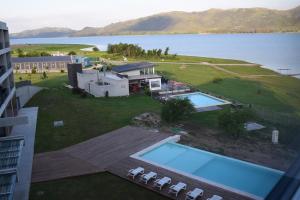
[98, 83]
[8, 105]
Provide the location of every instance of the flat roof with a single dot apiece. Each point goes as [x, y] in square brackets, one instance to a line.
[41, 59]
[132, 66]
[141, 77]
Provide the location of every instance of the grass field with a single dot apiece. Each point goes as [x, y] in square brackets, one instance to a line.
[88, 117]
[83, 118]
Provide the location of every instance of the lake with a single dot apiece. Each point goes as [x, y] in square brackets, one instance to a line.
[275, 50]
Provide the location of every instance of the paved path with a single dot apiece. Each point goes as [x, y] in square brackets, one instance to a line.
[93, 155]
[22, 187]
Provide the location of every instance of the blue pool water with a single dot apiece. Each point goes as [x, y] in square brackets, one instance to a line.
[200, 100]
[239, 175]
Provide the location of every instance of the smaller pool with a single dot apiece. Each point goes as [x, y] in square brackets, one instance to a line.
[201, 100]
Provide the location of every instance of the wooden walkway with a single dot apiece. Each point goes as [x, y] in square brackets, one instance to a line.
[121, 168]
[93, 155]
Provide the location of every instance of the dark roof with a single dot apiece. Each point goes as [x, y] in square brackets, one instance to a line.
[41, 59]
[132, 66]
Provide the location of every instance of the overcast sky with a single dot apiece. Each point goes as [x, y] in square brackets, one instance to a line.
[29, 14]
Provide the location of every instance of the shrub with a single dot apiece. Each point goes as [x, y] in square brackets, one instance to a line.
[217, 80]
[72, 53]
[20, 78]
[95, 49]
[233, 121]
[33, 71]
[45, 75]
[62, 71]
[176, 109]
[147, 91]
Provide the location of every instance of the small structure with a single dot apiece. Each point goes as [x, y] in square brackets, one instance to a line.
[139, 75]
[73, 69]
[101, 84]
[252, 126]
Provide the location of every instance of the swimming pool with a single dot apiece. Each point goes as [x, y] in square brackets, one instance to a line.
[242, 177]
[201, 100]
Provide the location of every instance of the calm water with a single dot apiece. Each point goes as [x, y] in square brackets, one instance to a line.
[275, 51]
[243, 176]
[201, 100]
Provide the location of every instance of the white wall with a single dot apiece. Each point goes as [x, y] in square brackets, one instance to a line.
[25, 93]
[132, 73]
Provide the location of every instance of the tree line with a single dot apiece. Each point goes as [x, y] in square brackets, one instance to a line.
[133, 50]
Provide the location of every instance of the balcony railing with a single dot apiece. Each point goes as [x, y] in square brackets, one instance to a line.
[3, 95]
[2, 70]
[6, 44]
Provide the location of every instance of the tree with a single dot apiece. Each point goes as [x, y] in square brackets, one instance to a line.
[96, 49]
[159, 52]
[177, 109]
[233, 121]
[166, 51]
[72, 53]
[45, 53]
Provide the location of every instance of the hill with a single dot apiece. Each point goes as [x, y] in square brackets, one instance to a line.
[241, 20]
[47, 32]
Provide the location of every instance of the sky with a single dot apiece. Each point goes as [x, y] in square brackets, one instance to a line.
[30, 14]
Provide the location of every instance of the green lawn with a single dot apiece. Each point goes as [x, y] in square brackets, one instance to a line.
[91, 187]
[249, 70]
[83, 118]
[49, 48]
[280, 94]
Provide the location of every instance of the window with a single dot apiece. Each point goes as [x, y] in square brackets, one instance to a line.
[155, 84]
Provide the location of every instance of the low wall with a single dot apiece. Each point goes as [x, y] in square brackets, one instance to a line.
[25, 93]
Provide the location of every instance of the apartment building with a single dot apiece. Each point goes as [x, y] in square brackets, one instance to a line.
[8, 105]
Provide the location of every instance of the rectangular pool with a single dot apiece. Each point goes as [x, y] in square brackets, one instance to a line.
[201, 100]
[242, 177]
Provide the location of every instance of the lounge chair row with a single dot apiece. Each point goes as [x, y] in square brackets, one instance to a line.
[161, 182]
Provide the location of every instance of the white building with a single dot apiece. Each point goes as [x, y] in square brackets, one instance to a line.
[140, 75]
[100, 84]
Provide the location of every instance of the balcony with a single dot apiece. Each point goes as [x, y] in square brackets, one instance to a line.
[3, 95]
[2, 70]
[6, 44]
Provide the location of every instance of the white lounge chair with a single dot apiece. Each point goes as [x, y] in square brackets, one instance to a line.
[160, 183]
[147, 177]
[215, 197]
[194, 194]
[135, 172]
[175, 189]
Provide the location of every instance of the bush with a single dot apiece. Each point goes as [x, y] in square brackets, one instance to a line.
[176, 109]
[147, 91]
[45, 75]
[233, 121]
[72, 53]
[33, 71]
[217, 80]
[62, 71]
[95, 49]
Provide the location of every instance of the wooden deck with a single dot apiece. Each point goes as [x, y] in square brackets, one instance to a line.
[121, 168]
[93, 155]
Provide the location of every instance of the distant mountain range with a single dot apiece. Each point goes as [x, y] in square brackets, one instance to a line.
[242, 20]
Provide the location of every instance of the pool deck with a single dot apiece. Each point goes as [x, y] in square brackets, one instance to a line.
[121, 168]
[93, 155]
[111, 153]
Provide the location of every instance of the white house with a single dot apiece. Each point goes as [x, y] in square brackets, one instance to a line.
[100, 84]
[139, 75]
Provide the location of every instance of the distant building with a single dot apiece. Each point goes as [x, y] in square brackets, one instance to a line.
[100, 84]
[85, 61]
[140, 75]
[8, 105]
[41, 64]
